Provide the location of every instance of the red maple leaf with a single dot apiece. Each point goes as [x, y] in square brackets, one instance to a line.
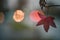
[41, 15]
[48, 21]
[45, 23]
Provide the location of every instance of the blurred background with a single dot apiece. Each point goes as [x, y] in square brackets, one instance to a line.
[10, 30]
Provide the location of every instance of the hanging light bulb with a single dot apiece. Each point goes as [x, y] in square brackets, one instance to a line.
[18, 16]
[1, 17]
[34, 16]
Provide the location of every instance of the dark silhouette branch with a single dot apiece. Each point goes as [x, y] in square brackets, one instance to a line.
[54, 6]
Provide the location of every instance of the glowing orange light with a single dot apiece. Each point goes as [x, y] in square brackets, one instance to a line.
[34, 15]
[1, 17]
[18, 15]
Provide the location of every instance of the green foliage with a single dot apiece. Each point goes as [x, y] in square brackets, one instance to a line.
[19, 26]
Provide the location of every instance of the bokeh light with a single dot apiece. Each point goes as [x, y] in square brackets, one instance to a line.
[18, 16]
[1, 17]
[34, 15]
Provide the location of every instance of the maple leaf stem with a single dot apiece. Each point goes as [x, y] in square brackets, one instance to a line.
[47, 12]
